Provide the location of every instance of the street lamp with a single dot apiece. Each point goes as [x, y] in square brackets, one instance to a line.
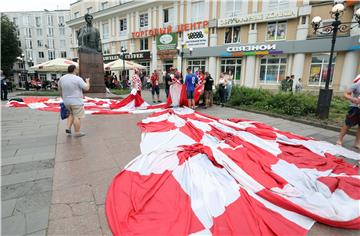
[122, 56]
[336, 12]
[180, 51]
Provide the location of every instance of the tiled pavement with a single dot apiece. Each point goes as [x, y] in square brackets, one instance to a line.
[84, 168]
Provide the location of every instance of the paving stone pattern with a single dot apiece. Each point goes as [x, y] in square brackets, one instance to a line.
[28, 140]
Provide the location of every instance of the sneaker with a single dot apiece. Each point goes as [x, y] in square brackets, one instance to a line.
[68, 131]
[78, 135]
[154, 101]
[159, 101]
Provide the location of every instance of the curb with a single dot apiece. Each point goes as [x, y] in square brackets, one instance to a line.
[298, 120]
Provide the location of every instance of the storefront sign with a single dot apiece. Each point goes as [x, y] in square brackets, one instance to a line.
[261, 47]
[138, 56]
[259, 17]
[132, 56]
[166, 42]
[170, 29]
[167, 54]
[197, 38]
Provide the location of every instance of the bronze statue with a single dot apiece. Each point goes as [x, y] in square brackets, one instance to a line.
[89, 37]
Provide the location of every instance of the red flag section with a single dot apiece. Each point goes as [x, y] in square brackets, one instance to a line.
[201, 174]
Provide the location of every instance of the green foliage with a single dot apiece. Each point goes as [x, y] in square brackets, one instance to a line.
[9, 45]
[298, 104]
[120, 91]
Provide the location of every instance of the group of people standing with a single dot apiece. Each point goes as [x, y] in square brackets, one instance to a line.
[288, 82]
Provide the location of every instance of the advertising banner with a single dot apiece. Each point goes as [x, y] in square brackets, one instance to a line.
[166, 42]
[197, 38]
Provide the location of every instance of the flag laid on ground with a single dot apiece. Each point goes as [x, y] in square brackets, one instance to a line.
[133, 103]
[199, 174]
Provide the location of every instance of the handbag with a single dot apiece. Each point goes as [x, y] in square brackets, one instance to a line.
[64, 112]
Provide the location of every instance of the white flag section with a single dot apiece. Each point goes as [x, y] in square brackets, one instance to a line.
[203, 175]
[133, 103]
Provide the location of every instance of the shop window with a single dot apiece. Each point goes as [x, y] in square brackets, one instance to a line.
[42, 77]
[196, 65]
[319, 68]
[233, 65]
[147, 65]
[105, 28]
[232, 35]
[276, 31]
[272, 70]
[143, 20]
[144, 44]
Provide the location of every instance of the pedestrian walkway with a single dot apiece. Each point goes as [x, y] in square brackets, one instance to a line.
[28, 140]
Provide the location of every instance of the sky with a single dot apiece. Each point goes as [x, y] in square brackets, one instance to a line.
[34, 5]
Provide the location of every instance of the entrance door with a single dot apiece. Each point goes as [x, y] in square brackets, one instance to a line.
[167, 64]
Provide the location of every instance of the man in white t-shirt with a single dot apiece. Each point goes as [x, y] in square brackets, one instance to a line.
[71, 89]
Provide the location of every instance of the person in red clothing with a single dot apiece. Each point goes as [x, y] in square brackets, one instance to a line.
[155, 86]
[136, 81]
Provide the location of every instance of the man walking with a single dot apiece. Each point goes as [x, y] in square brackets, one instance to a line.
[155, 86]
[353, 115]
[191, 81]
[71, 89]
[4, 87]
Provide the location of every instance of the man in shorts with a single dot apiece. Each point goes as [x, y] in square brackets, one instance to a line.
[353, 115]
[155, 86]
[71, 89]
[191, 81]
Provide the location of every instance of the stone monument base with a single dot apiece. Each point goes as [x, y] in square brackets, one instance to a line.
[91, 66]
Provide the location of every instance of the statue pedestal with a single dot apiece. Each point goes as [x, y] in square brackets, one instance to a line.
[91, 66]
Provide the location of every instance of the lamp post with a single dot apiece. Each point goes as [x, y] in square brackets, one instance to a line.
[23, 63]
[122, 56]
[180, 51]
[325, 95]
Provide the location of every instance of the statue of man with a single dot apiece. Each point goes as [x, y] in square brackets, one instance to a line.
[89, 37]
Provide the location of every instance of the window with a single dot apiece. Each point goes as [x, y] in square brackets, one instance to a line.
[61, 20]
[275, 5]
[37, 21]
[63, 54]
[42, 77]
[147, 65]
[168, 15]
[28, 44]
[197, 64]
[62, 31]
[232, 35]
[272, 70]
[105, 28]
[50, 43]
[276, 30]
[51, 55]
[303, 20]
[41, 54]
[233, 65]
[252, 26]
[39, 43]
[26, 20]
[28, 32]
[144, 44]
[104, 5]
[233, 8]
[106, 48]
[15, 20]
[62, 43]
[124, 1]
[29, 55]
[50, 20]
[76, 15]
[143, 20]
[319, 67]
[197, 11]
[89, 10]
[50, 32]
[123, 25]
[39, 32]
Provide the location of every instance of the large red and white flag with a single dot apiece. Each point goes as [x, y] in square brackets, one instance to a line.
[203, 175]
[133, 103]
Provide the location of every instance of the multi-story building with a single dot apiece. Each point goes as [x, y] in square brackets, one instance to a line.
[43, 36]
[261, 42]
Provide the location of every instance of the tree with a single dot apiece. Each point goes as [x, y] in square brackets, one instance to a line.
[10, 49]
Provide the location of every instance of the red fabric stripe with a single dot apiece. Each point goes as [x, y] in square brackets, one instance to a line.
[35, 99]
[190, 130]
[349, 185]
[161, 126]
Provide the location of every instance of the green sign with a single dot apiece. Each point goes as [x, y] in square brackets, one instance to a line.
[166, 42]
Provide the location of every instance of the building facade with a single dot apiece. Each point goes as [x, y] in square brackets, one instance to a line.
[43, 36]
[261, 42]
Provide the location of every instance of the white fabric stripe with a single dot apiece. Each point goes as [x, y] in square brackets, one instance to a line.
[36, 105]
